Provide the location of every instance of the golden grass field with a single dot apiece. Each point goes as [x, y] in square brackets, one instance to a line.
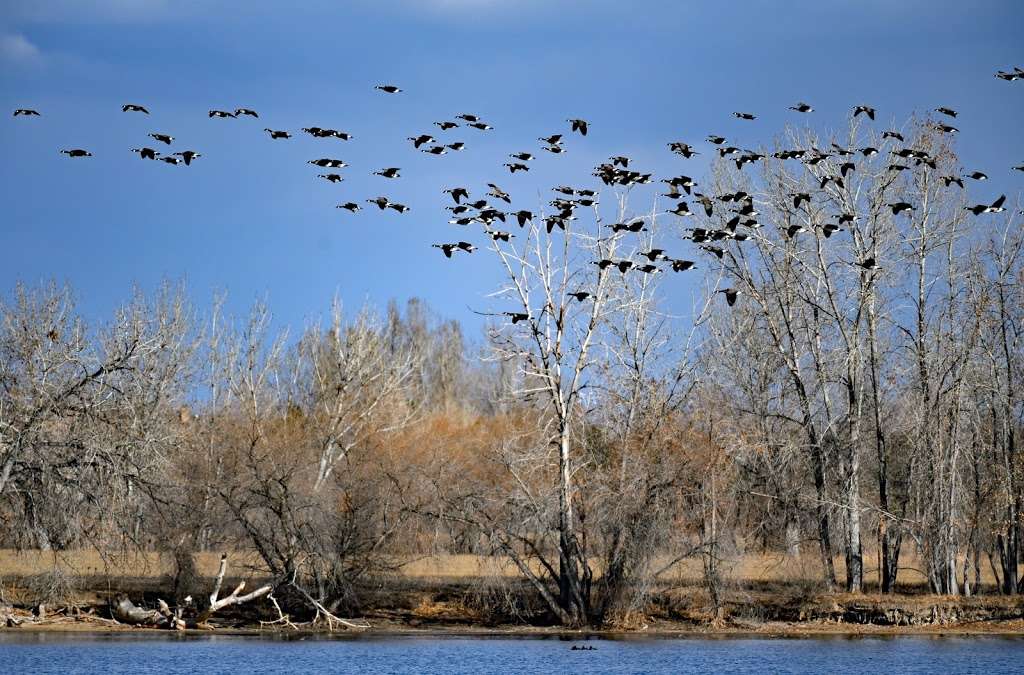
[748, 569]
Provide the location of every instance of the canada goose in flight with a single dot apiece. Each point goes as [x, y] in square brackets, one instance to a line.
[869, 151]
[977, 175]
[390, 172]
[554, 139]
[840, 150]
[869, 264]
[554, 149]
[728, 150]
[802, 107]
[683, 265]
[76, 153]
[835, 180]
[648, 269]
[327, 162]
[315, 131]
[457, 146]
[523, 217]
[220, 113]
[488, 216]
[994, 207]
[512, 168]
[586, 202]
[946, 129]
[717, 140]
[866, 109]
[401, 208]
[458, 209]
[949, 180]
[467, 118]
[619, 160]
[789, 154]
[578, 125]
[482, 126]
[188, 156]
[381, 202]
[684, 182]
[579, 295]
[634, 226]
[682, 209]
[794, 230]
[730, 295]
[445, 126]
[705, 201]
[331, 177]
[893, 134]
[350, 206]
[342, 135]
[498, 193]
[564, 190]
[171, 159]
[847, 218]
[479, 204]
[744, 116]
[654, 254]
[828, 229]
[900, 207]
[246, 111]
[846, 167]
[27, 112]
[522, 156]
[498, 235]
[551, 222]
[946, 111]
[897, 167]
[1016, 74]
[388, 88]
[278, 134]
[448, 249]
[457, 246]
[800, 197]
[417, 141]
[516, 316]
[435, 150]
[683, 149]
[462, 221]
[748, 208]
[163, 138]
[146, 153]
[131, 107]
[457, 193]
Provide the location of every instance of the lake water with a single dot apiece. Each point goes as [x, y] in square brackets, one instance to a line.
[70, 653]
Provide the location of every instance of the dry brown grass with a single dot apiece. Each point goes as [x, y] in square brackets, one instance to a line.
[764, 568]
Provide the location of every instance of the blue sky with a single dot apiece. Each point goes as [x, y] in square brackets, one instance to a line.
[250, 218]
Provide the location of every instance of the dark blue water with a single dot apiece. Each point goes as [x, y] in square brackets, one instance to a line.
[56, 653]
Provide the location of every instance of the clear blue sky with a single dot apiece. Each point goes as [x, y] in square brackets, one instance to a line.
[250, 217]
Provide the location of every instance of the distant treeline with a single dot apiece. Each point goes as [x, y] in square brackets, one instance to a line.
[861, 389]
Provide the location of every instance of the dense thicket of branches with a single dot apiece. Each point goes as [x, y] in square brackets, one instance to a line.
[590, 444]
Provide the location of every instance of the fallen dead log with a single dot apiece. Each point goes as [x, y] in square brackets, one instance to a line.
[186, 615]
[218, 603]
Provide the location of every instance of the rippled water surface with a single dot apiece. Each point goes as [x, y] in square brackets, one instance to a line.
[57, 653]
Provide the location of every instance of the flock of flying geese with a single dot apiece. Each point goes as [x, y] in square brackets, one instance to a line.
[616, 171]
